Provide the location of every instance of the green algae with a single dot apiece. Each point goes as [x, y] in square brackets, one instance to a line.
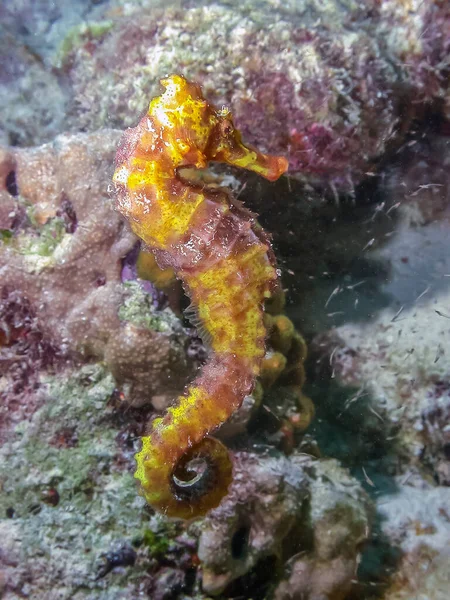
[159, 535]
[69, 448]
[5, 235]
[138, 309]
[79, 35]
[41, 240]
[156, 544]
[50, 235]
[41, 456]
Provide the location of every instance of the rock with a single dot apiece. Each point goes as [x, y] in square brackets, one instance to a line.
[283, 74]
[50, 550]
[393, 361]
[333, 86]
[66, 258]
[416, 521]
[33, 104]
[282, 512]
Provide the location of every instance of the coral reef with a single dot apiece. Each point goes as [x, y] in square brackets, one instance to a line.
[422, 574]
[32, 103]
[418, 521]
[421, 46]
[420, 171]
[285, 94]
[398, 358]
[301, 517]
[333, 86]
[42, 25]
[353, 93]
[72, 525]
[387, 400]
[277, 407]
[400, 365]
[63, 254]
[72, 522]
[327, 86]
[24, 352]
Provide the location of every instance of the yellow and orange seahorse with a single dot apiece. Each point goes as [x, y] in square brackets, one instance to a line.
[224, 260]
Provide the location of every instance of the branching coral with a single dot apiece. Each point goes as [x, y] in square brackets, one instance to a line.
[225, 262]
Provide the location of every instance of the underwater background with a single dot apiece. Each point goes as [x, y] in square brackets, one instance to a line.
[342, 453]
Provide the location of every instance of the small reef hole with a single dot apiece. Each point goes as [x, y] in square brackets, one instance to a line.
[11, 184]
[68, 214]
[257, 582]
[446, 450]
[239, 542]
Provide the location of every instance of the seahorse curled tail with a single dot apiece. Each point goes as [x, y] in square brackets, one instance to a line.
[223, 258]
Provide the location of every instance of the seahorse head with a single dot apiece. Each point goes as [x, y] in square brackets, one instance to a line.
[195, 132]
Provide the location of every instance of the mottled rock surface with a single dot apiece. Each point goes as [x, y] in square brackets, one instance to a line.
[333, 85]
[64, 254]
[322, 93]
[72, 524]
[308, 512]
[32, 102]
[418, 522]
[399, 357]
[387, 402]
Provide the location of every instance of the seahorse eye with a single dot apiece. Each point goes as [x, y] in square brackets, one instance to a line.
[226, 128]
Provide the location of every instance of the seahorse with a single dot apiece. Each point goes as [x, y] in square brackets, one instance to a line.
[224, 260]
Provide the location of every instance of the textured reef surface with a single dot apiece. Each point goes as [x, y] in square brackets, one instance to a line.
[342, 451]
[332, 85]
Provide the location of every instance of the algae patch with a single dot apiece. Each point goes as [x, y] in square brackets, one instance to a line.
[66, 500]
[138, 309]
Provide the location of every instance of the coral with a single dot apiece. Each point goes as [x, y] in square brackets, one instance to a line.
[86, 34]
[324, 98]
[285, 516]
[384, 409]
[421, 46]
[405, 383]
[333, 87]
[42, 25]
[417, 522]
[400, 364]
[72, 525]
[337, 87]
[222, 256]
[421, 574]
[24, 352]
[394, 364]
[420, 171]
[340, 515]
[63, 257]
[41, 459]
